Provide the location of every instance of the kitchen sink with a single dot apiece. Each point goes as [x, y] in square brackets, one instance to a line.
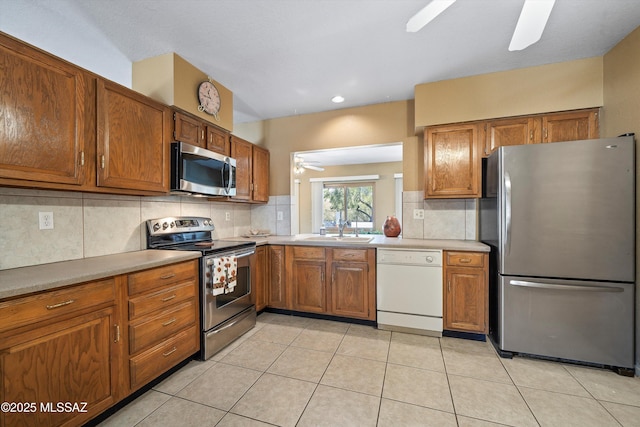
[344, 239]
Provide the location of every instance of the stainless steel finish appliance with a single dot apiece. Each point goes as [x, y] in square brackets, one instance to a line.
[229, 314]
[409, 290]
[195, 170]
[560, 219]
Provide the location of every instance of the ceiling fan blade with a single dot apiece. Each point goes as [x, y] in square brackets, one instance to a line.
[533, 19]
[313, 168]
[427, 14]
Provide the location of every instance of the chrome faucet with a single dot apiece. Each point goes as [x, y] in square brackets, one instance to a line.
[341, 225]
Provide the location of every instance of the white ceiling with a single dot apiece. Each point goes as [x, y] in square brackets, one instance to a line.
[288, 57]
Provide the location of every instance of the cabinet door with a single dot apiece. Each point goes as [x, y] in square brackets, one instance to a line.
[218, 140]
[132, 140]
[350, 289]
[42, 105]
[260, 290]
[452, 161]
[465, 299]
[241, 150]
[69, 361]
[571, 126]
[515, 131]
[277, 292]
[260, 174]
[188, 130]
[307, 283]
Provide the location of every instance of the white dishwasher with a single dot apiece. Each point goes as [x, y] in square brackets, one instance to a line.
[409, 290]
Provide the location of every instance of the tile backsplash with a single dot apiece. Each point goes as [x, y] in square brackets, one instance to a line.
[443, 218]
[87, 224]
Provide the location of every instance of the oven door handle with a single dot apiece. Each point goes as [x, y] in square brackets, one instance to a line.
[240, 319]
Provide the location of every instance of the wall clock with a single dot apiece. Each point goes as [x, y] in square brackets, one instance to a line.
[209, 99]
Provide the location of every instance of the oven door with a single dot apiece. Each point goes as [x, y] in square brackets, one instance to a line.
[218, 308]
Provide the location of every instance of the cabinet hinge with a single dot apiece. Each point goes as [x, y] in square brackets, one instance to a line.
[102, 161]
[82, 158]
[174, 116]
[117, 333]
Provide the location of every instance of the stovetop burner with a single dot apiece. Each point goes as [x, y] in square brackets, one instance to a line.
[188, 234]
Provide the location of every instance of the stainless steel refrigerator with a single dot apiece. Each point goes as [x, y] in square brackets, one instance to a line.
[560, 219]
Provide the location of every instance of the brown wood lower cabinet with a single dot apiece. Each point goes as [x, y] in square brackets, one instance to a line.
[163, 320]
[332, 281]
[94, 343]
[260, 293]
[277, 291]
[72, 355]
[466, 298]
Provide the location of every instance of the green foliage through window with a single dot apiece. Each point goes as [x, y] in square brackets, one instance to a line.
[351, 202]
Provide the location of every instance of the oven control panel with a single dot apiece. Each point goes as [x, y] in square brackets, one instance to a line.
[170, 225]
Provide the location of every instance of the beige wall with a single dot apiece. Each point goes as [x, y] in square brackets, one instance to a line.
[172, 80]
[554, 87]
[547, 88]
[384, 195]
[621, 114]
[374, 124]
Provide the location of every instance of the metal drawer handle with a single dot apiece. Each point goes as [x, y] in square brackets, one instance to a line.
[60, 304]
[167, 323]
[169, 298]
[465, 260]
[168, 276]
[173, 350]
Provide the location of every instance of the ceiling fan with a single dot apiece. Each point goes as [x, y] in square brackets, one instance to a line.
[533, 19]
[299, 165]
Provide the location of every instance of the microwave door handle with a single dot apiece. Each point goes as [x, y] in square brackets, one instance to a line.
[228, 163]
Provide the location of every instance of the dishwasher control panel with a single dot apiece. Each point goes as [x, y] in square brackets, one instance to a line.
[410, 257]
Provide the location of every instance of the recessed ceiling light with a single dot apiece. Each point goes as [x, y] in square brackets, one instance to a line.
[427, 14]
[533, 19]
[337, 99]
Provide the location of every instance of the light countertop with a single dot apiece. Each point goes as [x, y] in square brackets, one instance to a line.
[25, 280]
[378, 241]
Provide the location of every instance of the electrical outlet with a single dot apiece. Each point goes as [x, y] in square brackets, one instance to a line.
[227, 216]
[45, 220]
[280, 216]
[418, 214]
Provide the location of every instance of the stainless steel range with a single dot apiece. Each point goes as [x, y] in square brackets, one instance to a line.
[225, 277]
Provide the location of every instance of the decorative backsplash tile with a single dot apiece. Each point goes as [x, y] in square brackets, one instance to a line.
[87, 224]
[443, 219]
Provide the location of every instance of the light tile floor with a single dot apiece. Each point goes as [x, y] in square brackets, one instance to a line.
[293, 371]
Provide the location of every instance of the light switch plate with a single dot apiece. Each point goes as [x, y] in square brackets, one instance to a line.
[227, 216]
[280, 216]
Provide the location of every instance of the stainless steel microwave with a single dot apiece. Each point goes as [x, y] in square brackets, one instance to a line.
[198, 171]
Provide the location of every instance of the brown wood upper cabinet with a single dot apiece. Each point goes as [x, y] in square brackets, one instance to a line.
[195, 131]
[553, 127]
[133, 140]
[252, 171]
[571, 126]
[44, 107]
[453, 161]
[64, 128]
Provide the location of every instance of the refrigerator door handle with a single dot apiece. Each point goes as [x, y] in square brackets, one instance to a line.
[507, 211]
[562, 287]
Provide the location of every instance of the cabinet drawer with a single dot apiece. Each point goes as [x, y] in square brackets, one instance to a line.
[154, 329]
[308, 252]
[465, 259]
[165, 297]
[155, 361]
[152, 279]
[350, 255]
[49, 305]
